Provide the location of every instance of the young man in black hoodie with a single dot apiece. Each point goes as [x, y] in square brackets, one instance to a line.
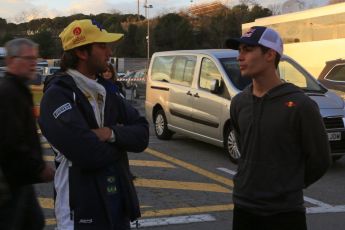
[281, 137]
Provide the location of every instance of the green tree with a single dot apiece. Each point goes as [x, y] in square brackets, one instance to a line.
[3, 25]
[173, 32]
[46, 42]
[5, 39]
[129, 46]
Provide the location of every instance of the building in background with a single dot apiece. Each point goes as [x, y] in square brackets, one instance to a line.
[206, 8]
[312, 37]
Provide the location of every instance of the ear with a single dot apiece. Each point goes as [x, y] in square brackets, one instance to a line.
[82, 54]
[270, 55]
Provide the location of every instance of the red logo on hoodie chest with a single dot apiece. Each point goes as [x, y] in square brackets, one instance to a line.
[290, 104]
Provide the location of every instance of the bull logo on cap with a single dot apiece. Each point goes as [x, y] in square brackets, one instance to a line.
[249, 33]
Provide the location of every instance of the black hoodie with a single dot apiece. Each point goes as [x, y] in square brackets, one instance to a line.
[284, 148]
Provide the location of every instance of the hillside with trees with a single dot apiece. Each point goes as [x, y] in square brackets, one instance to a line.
[171, 31]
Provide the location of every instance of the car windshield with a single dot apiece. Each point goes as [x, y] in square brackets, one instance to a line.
[288, 72]
[232, 69]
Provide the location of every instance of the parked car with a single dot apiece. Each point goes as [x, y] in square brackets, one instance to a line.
[127, 79]
[50, 70]
[47, 71]
[136, 81]
[2, 56]
[139, 83]
[190, 92]
[333, 76]
[2, 71]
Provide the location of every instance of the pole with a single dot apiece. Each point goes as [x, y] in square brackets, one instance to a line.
[148, 40]
[138, 12]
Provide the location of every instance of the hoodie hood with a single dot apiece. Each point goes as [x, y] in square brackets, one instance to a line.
[60, 77]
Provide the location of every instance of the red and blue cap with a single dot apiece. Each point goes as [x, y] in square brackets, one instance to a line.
[258, 35]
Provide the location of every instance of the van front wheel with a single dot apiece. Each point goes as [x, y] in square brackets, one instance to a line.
[161, 126]
[230, 146]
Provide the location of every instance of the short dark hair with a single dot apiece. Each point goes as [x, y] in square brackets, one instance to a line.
[265, 49]
[70, 59]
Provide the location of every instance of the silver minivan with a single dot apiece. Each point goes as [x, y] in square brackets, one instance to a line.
[190, 91]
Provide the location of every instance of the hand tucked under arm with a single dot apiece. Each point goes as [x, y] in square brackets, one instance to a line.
[104, 134]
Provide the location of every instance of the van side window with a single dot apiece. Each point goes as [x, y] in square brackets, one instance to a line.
[208, 72]
[183, 70]
[161, 68]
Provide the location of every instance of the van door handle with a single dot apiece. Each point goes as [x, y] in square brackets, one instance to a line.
[189, 93]
[196, 95]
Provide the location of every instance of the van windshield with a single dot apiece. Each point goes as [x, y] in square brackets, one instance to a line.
[288, 71]
[232, 69]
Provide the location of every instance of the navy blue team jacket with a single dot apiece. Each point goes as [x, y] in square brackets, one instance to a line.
[66, 120]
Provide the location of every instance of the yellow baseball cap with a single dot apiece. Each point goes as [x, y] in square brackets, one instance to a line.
[86, 31]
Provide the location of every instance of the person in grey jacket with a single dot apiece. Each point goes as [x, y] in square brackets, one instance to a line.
[21, 158]
[281, 136]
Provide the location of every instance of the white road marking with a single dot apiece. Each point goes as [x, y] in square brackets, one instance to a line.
[231, 172]
[317, 202]
[173, 220]
[331, 209]
[321, 207]
[156, 142]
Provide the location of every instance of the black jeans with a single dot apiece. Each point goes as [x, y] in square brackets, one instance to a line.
[244, 220]
[22, 211]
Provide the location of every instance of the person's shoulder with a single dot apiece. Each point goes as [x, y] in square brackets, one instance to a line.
[7, 85]
[59, 86]
[240, 97]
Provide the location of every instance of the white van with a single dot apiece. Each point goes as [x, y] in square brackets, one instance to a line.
[190, 91]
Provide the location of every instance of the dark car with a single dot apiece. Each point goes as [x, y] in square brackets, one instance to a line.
[333, 76]
[136, 81]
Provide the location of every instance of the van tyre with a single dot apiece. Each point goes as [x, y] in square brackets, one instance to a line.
[230, 146]
[161, 126]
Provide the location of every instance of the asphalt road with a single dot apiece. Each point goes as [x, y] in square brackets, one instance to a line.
[187, 184]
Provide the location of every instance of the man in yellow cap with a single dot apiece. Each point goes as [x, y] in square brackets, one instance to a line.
[90, 128]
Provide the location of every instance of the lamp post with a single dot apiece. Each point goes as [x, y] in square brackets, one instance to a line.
[147, 7]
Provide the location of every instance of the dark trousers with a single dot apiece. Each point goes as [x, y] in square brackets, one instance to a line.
[22, 211]
[244, 220]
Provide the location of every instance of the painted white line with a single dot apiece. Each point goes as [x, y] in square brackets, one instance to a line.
[156, 142]
[331, 209]
[231, 172]
[173, 220]
[321, 206]
[317, 202]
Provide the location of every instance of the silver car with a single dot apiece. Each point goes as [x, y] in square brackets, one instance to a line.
[190, 92]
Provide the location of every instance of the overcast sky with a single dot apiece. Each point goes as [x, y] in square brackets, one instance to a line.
[17, 10]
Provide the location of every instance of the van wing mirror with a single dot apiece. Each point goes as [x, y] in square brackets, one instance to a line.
[214, 86]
